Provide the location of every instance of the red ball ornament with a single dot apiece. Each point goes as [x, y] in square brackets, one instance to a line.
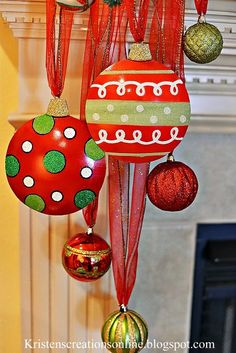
[172, 186]
[86, 257]
[53, 165]
[138, 111]
[75, 5]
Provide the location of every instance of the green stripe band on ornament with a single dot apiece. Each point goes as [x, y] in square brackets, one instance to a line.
[138, 113]
[135, 72]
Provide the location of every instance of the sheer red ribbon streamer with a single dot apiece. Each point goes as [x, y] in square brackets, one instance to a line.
[126, 223]
[138, 23]
[201, 6]
[90, 213]
[56, 60]
[166, 34]
[105, 44]
[125, 220]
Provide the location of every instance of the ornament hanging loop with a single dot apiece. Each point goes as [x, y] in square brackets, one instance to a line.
[202, 18]
[170, 157]
[123, 308]
[90, 231]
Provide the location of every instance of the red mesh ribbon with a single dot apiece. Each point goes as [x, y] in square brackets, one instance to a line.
[125, 223]
[56, 61]
[137, 23]
[105, 44]
[201, 6]
[135, 225]
[90, 213]
[166, 34]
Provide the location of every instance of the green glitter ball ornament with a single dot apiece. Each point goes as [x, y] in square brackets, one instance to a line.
[203, 43]
[124, 331]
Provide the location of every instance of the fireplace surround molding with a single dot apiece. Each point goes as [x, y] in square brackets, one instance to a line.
[206, 83]
[168, 241]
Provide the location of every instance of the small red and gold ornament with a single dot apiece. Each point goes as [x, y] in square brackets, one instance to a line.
[138, 110]
[52, 163]
[75, 5]
[86, 257]
[124, 331]
[172, 186]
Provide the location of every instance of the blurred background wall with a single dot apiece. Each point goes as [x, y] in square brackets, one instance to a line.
[9, 225]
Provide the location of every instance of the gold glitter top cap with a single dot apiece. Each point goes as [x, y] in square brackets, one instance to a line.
[58, 107]
[140, 52]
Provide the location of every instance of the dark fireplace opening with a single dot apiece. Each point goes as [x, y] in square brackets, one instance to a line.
[214, 295]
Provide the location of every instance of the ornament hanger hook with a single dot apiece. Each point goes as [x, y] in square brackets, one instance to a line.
[90, 231]
[170, 157]
[123, 308]
[202, 19]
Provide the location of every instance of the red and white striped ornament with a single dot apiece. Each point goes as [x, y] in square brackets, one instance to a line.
[138, 111]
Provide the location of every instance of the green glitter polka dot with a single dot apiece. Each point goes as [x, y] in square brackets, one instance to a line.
[35, 202]
[84, 197]
[43, 124]
[12, 166]
[54, 162]
[93, 151]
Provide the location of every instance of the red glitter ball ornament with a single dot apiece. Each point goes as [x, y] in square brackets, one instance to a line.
[172, 186]
[86, 257]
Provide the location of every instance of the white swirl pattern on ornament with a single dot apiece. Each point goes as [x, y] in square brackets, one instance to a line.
[140, 87]
[137, 135]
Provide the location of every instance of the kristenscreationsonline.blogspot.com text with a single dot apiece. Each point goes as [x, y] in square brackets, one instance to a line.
[164, 346]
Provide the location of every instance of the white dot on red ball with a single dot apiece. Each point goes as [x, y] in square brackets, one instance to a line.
[27, 146]
[86, 172]
[124, 118]
[182, 118]
[167, 110]
[110, 107]
[28, 182]
[154, 119]
[57, 196]
[140, 108]
[69, 133]
[96, 116]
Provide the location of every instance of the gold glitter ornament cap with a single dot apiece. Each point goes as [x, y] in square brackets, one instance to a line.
[140, 52]
[58, 107]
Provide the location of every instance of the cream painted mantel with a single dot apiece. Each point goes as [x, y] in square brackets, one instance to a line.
[57, 308]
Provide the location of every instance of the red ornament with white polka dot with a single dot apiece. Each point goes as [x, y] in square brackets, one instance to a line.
[54, 166]
[138, 111]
